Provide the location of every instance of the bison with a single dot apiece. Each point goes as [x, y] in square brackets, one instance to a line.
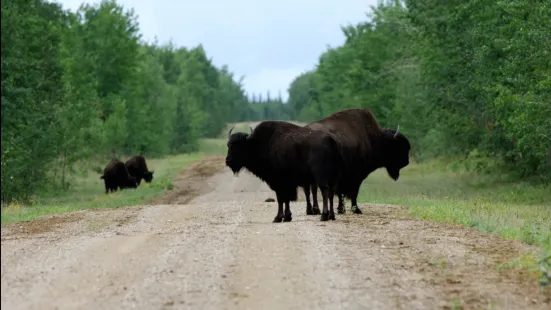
[366, 147]
[115, 175]
[287, 156]
[138, 168]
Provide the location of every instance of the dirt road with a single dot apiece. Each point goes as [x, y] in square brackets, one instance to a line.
[220, 250]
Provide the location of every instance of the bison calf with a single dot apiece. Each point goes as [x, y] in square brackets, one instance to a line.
[138, 168]
[287, 156]
[115, 175]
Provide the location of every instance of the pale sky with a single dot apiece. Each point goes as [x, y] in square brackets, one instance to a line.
[269, 42]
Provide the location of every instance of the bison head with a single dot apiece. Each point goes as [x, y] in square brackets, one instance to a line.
[238, 150]
[148, 176]
[396, 152]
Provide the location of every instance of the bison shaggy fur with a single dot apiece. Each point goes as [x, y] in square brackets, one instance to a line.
[366, 147]
[287, 156]
[137, 168]
[116, 176]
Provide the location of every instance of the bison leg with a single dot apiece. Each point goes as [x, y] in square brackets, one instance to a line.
[355, 208]
[288, 215]
[315, 199]
[324, 194]
[340, 208]
[279, 217]
[354, 198]
[331, 210]
[309, 210]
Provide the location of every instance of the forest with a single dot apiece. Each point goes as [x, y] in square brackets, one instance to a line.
[85, 85]
[462, 79]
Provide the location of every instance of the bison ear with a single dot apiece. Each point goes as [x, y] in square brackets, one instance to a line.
[152, 172]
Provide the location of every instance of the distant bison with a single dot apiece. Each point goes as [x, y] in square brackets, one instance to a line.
[115, 175]
[366, 147]
[287, 156]
[138, 168]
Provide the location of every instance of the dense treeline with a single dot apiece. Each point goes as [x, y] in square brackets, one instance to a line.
[461, 78]
[78, 85]
[267, 108]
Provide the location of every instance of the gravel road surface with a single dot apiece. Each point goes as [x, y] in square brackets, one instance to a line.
[210, 244]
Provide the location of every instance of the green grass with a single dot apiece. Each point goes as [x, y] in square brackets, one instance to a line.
[213, 146]
[88, 191]
[438, 191]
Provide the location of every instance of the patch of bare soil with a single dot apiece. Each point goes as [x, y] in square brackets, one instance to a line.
[191, 181]
[38, 226]
[460, 265]
[221, 251]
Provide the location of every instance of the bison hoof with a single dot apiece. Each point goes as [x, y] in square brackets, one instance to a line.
[332, 216]
[317, 211]
[309, 211]
[278, 219]
[356, 210]
[324, 217]
[341, 210]
[287, 218]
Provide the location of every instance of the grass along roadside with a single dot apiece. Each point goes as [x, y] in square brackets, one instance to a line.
[445, 193]
[88, 191]
[436, 191]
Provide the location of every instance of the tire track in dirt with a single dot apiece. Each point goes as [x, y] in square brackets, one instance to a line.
[210, 244]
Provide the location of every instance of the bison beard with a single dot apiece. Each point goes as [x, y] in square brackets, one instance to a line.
[366, 147]
[287, 156]
[115, 175]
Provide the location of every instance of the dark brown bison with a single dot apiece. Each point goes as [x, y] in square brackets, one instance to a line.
[366, 147]
[115, 175]
[287, 156]
[138, 168]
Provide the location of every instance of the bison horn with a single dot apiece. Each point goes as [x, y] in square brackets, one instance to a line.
[229, 133]
[251, 129]
[397, 131]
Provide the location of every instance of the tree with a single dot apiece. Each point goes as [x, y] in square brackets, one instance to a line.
[75, 86]
[461, 78]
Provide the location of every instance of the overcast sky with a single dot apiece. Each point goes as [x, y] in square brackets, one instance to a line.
[270, 42]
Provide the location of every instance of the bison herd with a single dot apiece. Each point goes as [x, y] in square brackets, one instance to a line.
[119, 175]
[334, 154]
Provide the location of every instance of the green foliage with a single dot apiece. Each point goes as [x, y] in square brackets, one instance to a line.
[267, 108]
[31, 97]
[77, 86]
[459, 77]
